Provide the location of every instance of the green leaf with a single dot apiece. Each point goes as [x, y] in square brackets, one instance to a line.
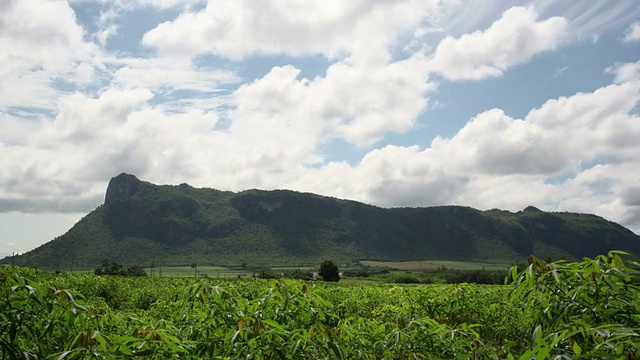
[576, 348]
[337, 351]
[63, 355]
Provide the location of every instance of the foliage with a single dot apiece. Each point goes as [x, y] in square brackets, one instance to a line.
[329, 271]
[365, 272]
[476, 277]
[268, 274]
[429, 277]
[109, 267]
[136, 270]
[582, 310]
[290, 274]
[562, 310]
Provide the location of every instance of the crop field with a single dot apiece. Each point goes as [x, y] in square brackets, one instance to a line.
[199, 271]
[432, 265]
[216, 272]
[583, 310]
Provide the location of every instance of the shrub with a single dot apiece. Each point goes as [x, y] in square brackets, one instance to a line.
[329, 271]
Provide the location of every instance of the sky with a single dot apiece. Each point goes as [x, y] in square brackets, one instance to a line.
[395, 103]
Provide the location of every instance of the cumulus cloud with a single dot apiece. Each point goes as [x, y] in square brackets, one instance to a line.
[356, 102]
[625, 72]
[42, 43]
[15, 130]
[556, 137]
[513, 39]
[235, 29]
[632, 33]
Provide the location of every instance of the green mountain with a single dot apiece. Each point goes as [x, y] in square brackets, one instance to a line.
[144, 223]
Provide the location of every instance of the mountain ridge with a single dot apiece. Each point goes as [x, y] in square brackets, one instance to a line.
[144, 223]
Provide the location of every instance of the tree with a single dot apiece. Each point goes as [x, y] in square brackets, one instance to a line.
[136, 270]
[329, 271]
[109, 267]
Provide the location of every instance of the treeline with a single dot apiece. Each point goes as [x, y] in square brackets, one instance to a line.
[108, 267]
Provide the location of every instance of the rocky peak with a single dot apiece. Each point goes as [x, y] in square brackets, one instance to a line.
[121, 188]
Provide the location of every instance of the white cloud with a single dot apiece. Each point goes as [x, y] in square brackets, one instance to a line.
[42, 43]
[129, 5]
[494, 143]
[632, 33]
[587, 20]
[15, 130]
[235, 29]
[625, 72]
[165, 76]
[357, 102]
[557, 137]
[513, 39]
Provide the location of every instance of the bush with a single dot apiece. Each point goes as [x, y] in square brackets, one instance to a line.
[109, 267]
[136, 270]
[365, 272]
[329, 271]
[268, 274]
[475, 277]
[406, 279]
[299, 275]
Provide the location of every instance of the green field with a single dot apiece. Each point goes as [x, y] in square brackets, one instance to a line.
[431, 265]
[584, 310]
[199, 271]
[187, 271]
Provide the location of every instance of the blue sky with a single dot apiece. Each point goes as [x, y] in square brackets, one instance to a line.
[500, 104]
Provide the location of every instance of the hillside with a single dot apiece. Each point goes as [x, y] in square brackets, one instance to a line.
[144, 223]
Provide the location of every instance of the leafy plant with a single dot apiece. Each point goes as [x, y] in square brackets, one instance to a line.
[562, 310]
[582, 310]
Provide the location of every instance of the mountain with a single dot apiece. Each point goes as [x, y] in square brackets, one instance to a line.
[144, 223]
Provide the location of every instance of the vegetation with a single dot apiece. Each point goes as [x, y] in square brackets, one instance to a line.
[142, 223]
[109, 267]
[329, 271]
[441, 276]
[562, 310]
